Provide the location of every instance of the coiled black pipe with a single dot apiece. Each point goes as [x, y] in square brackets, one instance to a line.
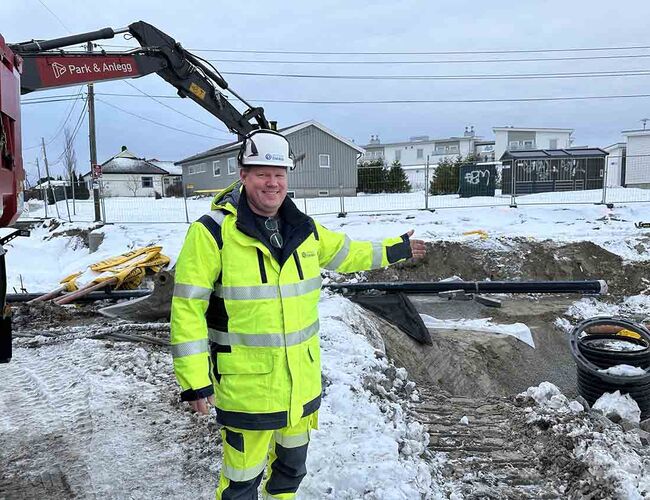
[591, 356]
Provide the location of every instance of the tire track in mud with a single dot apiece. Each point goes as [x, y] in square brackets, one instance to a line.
[485, 457]
[45, 429]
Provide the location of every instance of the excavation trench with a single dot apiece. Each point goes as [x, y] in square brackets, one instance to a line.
[472, 363]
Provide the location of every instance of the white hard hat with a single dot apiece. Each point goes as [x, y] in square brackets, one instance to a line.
[265, 148]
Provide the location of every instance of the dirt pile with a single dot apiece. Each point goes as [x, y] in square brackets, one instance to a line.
[521, 259]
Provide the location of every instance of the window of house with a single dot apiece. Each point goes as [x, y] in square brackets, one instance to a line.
[323, 192]
[440, 149]
[453, 149]
[398, 155]
[529, 144]
[191, 169]
[216, 168]
[513, 145]
[291, 194]
[420, 154]
[552, 143]
[232, 165]
[324, 161]
[147, 182]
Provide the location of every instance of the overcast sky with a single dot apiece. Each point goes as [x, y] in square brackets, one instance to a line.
[333, 25]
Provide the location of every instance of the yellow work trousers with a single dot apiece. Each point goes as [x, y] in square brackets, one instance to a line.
[246, 454]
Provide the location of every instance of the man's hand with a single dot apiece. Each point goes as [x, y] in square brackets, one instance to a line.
[417, 246]
[202, 405]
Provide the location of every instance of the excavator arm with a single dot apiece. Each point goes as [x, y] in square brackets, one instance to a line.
[46, 65]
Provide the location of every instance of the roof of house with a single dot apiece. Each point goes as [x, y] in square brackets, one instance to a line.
[529, 154]
[636, 132]
[126, 162]
[286, 131]
[428, 141]
[622, 145]
[168, 166]
[533, 129]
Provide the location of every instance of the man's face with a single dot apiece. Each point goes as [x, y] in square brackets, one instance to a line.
[266, 188]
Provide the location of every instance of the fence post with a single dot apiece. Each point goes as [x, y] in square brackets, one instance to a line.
[513, 184]
[604, 199]
[341, 202]
[67, 206]
[45, 200]
[426, 185]
[187, 215]
[101, 200]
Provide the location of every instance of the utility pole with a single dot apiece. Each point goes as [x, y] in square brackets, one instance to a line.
[93, 145]
[43, 190]
[47, 173]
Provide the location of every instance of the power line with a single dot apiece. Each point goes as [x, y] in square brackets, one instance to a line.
[174, 109]
[405, 101]
[449, 61]
[75, 98]
[520, 76]
[158, 123]
[24, 103]
[54, 14]
[414, 52]
[452, 101]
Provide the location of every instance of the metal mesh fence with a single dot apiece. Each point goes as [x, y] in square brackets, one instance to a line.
[614, 180]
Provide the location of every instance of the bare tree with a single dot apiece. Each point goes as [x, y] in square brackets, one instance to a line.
[70, 162]
[133, 183]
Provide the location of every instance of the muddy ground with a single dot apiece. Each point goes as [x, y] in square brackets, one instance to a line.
[502, 453]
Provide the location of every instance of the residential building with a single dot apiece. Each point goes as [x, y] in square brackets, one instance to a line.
[519, 138]
[412, 154]
[637, 163]
[415, 151]
[326, 166]
[616, 164]
[127, 175]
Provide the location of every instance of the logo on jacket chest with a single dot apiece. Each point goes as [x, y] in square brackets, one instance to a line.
[308, 253]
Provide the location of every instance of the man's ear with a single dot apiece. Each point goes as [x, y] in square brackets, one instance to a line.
[243, 172]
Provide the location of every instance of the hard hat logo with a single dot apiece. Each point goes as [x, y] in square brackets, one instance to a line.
[265, 148]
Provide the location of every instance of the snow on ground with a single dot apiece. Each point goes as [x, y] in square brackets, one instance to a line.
[366, 447]
[517, 330]
[597, 446]
[622, 405]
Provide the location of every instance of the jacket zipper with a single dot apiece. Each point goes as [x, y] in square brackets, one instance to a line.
[260, 261]
[298, 266]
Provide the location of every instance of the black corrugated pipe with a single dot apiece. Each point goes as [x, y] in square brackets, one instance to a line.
[596, 352]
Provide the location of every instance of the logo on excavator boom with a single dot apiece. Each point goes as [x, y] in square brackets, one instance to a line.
[59, 69]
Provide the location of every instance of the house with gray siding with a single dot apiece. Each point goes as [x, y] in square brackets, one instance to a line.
[326, 166]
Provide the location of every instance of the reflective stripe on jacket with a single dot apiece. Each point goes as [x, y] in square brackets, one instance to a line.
[245, 325]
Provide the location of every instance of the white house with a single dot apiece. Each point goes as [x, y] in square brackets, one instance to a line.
[518, 138]
[414, 152]
[615, 166]
[127, 175]
[637, 160]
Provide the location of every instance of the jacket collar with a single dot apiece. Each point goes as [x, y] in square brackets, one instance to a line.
[233, 199]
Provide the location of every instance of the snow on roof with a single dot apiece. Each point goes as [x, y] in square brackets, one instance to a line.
[130, 165]
[47, 184]
[168, 166]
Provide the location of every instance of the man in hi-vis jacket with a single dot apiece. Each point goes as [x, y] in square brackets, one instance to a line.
[244, 328]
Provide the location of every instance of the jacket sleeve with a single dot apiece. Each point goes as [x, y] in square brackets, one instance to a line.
[337, 252]
[197, 269]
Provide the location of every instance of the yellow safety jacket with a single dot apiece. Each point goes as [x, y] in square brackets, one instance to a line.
[245, 326]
